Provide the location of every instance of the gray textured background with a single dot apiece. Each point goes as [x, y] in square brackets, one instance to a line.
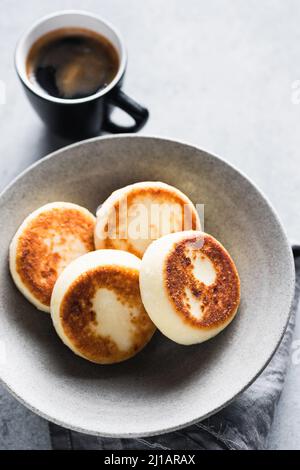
[218, 74]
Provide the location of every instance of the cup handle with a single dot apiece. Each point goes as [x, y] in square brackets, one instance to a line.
[127, 104]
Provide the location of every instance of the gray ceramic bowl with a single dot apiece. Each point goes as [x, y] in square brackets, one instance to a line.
[166, 386]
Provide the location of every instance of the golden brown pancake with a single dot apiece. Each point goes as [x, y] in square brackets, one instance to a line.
[189, 286]
[133, 216]
[47, 241]
[97, 310]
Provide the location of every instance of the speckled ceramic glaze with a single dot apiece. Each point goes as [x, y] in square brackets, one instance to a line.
[166, 386]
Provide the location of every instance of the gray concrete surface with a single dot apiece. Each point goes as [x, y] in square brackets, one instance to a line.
[215, 73]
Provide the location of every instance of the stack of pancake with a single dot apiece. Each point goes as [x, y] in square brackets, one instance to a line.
[108, 281]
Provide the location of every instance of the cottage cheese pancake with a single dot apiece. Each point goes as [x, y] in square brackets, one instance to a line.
[46, 242]
[189, 286]
[133, 216]
[97, 309]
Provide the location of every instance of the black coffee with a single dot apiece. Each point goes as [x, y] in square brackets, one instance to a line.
[72, 63]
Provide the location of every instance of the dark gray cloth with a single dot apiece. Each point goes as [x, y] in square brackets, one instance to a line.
[244, 424]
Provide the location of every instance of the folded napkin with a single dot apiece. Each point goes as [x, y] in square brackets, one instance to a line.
[244, 424]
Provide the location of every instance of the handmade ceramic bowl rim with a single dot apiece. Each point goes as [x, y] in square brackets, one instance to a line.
[289, 281]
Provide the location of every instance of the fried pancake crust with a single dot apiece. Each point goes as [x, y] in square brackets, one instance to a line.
[82, 325]
[46, 243]
[120, 211]
[219, 300]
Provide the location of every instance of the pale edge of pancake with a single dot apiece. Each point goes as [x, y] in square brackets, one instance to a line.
[104, 210]
[14, 246]
[75, 269]
[154, 295]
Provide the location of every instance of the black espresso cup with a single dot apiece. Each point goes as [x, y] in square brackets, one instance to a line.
[82, 117]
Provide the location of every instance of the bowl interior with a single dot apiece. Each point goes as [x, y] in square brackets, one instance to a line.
[166, 386]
